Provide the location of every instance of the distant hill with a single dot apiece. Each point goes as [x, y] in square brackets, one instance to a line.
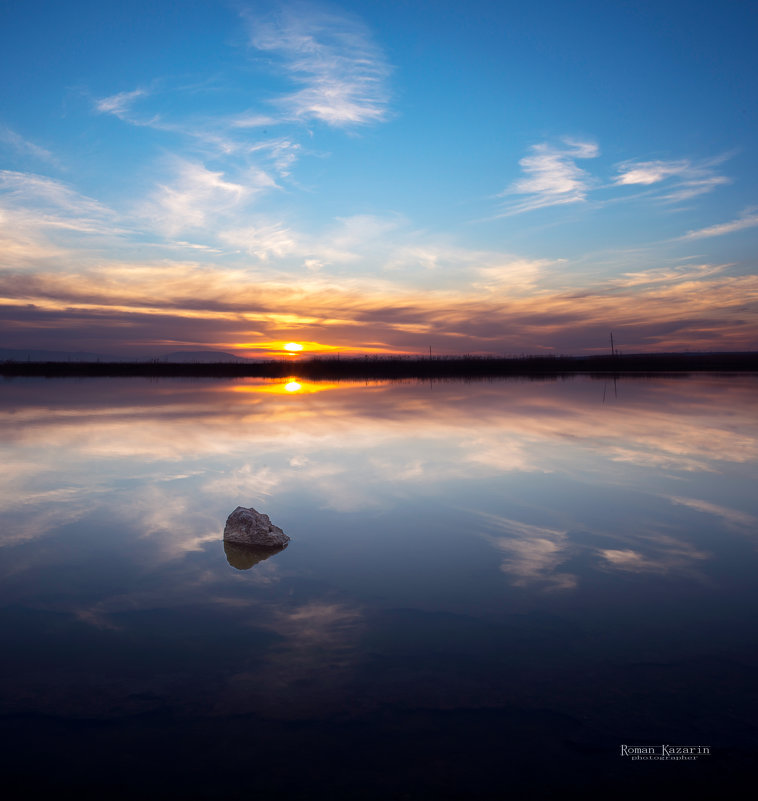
[200, 357]
[21, 355]
[177, 357]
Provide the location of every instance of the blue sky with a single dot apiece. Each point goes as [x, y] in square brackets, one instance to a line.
[378, 177]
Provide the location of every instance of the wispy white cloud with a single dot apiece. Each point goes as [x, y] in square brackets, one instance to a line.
[343, 74]
[649, 172]
[24, 146]
[371, 244]
[552, 176]
[748, 219]
[667, 275]
[684, 178]
[222, 135]
[38, 213]
[282, 153]
[198, 195]
[253, 121]
[40, 191]
[361, 238]
[335, 73]
[120, 104]
[264, 241]
[514, 274]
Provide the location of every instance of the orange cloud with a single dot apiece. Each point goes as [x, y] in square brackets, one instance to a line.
[139, 307]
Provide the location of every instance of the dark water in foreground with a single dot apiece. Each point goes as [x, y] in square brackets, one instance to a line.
[490, 588]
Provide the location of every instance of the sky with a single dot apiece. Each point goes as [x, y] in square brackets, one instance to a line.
[378, 177]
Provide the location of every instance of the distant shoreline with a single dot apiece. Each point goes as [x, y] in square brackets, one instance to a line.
[381, 367]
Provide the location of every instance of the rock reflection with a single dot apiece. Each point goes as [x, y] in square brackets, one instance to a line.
[243, 557]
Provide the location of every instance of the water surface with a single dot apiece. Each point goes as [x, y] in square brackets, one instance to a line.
[491, 586]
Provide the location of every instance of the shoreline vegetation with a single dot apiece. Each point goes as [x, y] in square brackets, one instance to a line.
[332, 368]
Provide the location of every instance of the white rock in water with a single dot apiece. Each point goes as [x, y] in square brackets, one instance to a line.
[248, 527]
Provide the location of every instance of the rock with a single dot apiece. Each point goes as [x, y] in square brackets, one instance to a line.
[243, 557]
[248, 527]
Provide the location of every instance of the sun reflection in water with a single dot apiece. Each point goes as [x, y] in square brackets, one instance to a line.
[289, 386]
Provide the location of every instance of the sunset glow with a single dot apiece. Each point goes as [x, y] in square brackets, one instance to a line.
[369, 193]
[378, 379]
[290, 386]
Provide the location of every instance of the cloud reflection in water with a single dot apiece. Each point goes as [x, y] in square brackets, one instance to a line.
[154, 453]
[402, 497]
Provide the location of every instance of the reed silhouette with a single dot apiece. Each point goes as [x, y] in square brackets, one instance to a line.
[333, 368]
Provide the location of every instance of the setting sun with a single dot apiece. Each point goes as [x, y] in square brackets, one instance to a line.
[293, 347]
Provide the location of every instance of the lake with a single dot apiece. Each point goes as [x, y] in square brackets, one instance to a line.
[493, 589]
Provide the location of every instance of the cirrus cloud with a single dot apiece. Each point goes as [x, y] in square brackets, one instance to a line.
[342, 74]
[684, 178]
[748, 219]
[552, 176]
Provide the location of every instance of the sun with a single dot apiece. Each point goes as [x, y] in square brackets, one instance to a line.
[293, 347]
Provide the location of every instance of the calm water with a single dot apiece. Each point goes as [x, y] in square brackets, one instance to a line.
[490, 588]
